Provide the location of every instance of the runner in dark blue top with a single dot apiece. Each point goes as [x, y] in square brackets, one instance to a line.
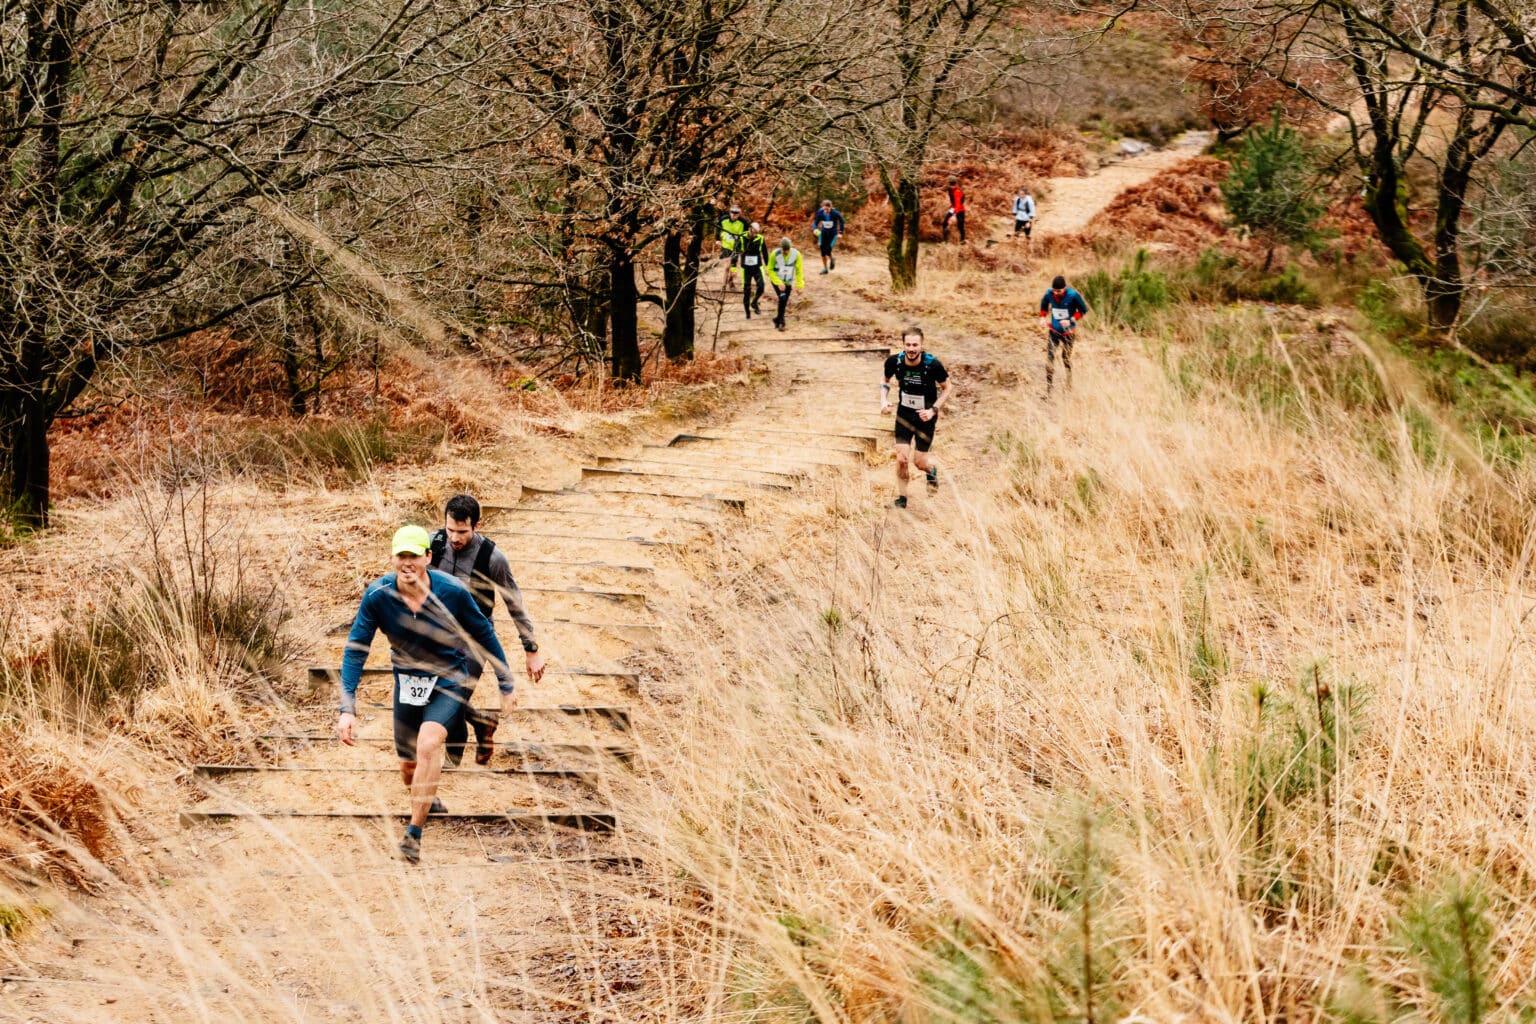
[827, 225]
[430, 618]
[1061, 308]
[922, 385]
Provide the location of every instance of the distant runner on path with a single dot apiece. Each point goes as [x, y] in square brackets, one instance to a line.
[828, 226]
[754, 257]
[425, 615]
[474, 559]
[922, 387]
[732, 228]
[1023, 213]
[785, 268]
[1062, 308]
[956, 207]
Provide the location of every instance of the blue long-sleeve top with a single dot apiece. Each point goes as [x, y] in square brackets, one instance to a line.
[433, 641]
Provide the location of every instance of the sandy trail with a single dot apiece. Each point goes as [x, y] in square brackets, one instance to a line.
[271, 919]
[1076, 201]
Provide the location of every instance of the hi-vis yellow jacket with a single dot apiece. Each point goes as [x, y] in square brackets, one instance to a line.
[781, 263]
[731, 230]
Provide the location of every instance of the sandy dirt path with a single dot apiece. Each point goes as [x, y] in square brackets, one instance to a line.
[1076, 201]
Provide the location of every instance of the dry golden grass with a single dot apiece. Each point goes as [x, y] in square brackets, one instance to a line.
[1211, 675]
[1195, 696]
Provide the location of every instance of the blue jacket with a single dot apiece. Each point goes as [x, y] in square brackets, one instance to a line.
[1071, 304]
[837, 226]
[435, 640]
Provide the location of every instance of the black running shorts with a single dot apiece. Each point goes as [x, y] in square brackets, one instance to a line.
[914, 431]
[444, 704]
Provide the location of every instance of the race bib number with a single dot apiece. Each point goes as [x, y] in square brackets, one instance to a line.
[1061, 314]
[826, 225]
[415, 690]
[910, 401]
[750, 261]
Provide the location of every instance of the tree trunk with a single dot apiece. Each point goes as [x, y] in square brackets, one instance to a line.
[623, 299]
[24, 458]
[906, 218]
[1444, 290]
[680, 265]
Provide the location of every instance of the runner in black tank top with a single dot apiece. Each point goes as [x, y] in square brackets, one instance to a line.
[921, 387]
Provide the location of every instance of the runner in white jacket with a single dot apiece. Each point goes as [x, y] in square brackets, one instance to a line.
[1023, 212]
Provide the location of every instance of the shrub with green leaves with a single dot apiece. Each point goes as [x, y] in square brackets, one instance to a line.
[1271, 189]
[1130, 298]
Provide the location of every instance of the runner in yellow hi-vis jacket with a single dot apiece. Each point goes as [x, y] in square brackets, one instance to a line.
[785, 267]
[732, 230]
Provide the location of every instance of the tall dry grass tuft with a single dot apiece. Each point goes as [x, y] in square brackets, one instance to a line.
[166, 644]
[1177, 704]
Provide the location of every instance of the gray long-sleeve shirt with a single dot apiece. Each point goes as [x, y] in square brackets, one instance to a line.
[462, 565]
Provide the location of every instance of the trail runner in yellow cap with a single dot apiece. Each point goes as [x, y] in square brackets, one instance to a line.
[430, 619]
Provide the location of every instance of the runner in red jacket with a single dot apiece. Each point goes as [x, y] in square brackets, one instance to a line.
[956, 207]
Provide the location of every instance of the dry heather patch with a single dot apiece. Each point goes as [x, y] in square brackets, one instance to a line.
[201, 421]
[56, 820]
[1197, 699]
[1180, 209]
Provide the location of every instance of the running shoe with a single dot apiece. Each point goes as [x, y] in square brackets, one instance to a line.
[437, 807]
[834, 262]
[933, 477]
[485, 733]
[410, 848]
[823, 270]
[901, 502]
[756, 308]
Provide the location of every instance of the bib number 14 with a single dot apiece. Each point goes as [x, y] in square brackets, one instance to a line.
[911, 401]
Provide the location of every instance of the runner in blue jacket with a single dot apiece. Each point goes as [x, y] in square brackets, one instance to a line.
[827, 225]
[430, 619]
[1062, 308]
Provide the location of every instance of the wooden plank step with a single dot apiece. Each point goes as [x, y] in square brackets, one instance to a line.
[623, 753]
[616, 717]
[213, 771]
[529, 510]
[636, 596]
[714, 467]
[589, 821]
[882, 350]
[320, 675]
[762, 428]
[616, 471]
[811, 439]
[605, 538]
[729, 502]
[686, 439]
[776, 458]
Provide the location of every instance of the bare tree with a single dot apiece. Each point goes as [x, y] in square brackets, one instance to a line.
[134, 138]
[658, 111]
[1411, 80]
[934, 56]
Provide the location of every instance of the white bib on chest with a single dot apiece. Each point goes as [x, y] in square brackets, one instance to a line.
[415, 690]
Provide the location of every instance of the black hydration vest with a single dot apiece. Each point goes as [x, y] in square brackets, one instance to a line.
[480, 586]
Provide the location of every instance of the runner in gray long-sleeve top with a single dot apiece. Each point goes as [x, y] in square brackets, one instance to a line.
[460, 551]
[432, 623]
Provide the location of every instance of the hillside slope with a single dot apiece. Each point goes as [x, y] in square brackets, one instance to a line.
[1174, 698]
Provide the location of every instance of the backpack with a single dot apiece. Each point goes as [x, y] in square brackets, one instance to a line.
[480, 586]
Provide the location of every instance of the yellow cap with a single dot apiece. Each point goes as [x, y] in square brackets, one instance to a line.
[410, 540]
